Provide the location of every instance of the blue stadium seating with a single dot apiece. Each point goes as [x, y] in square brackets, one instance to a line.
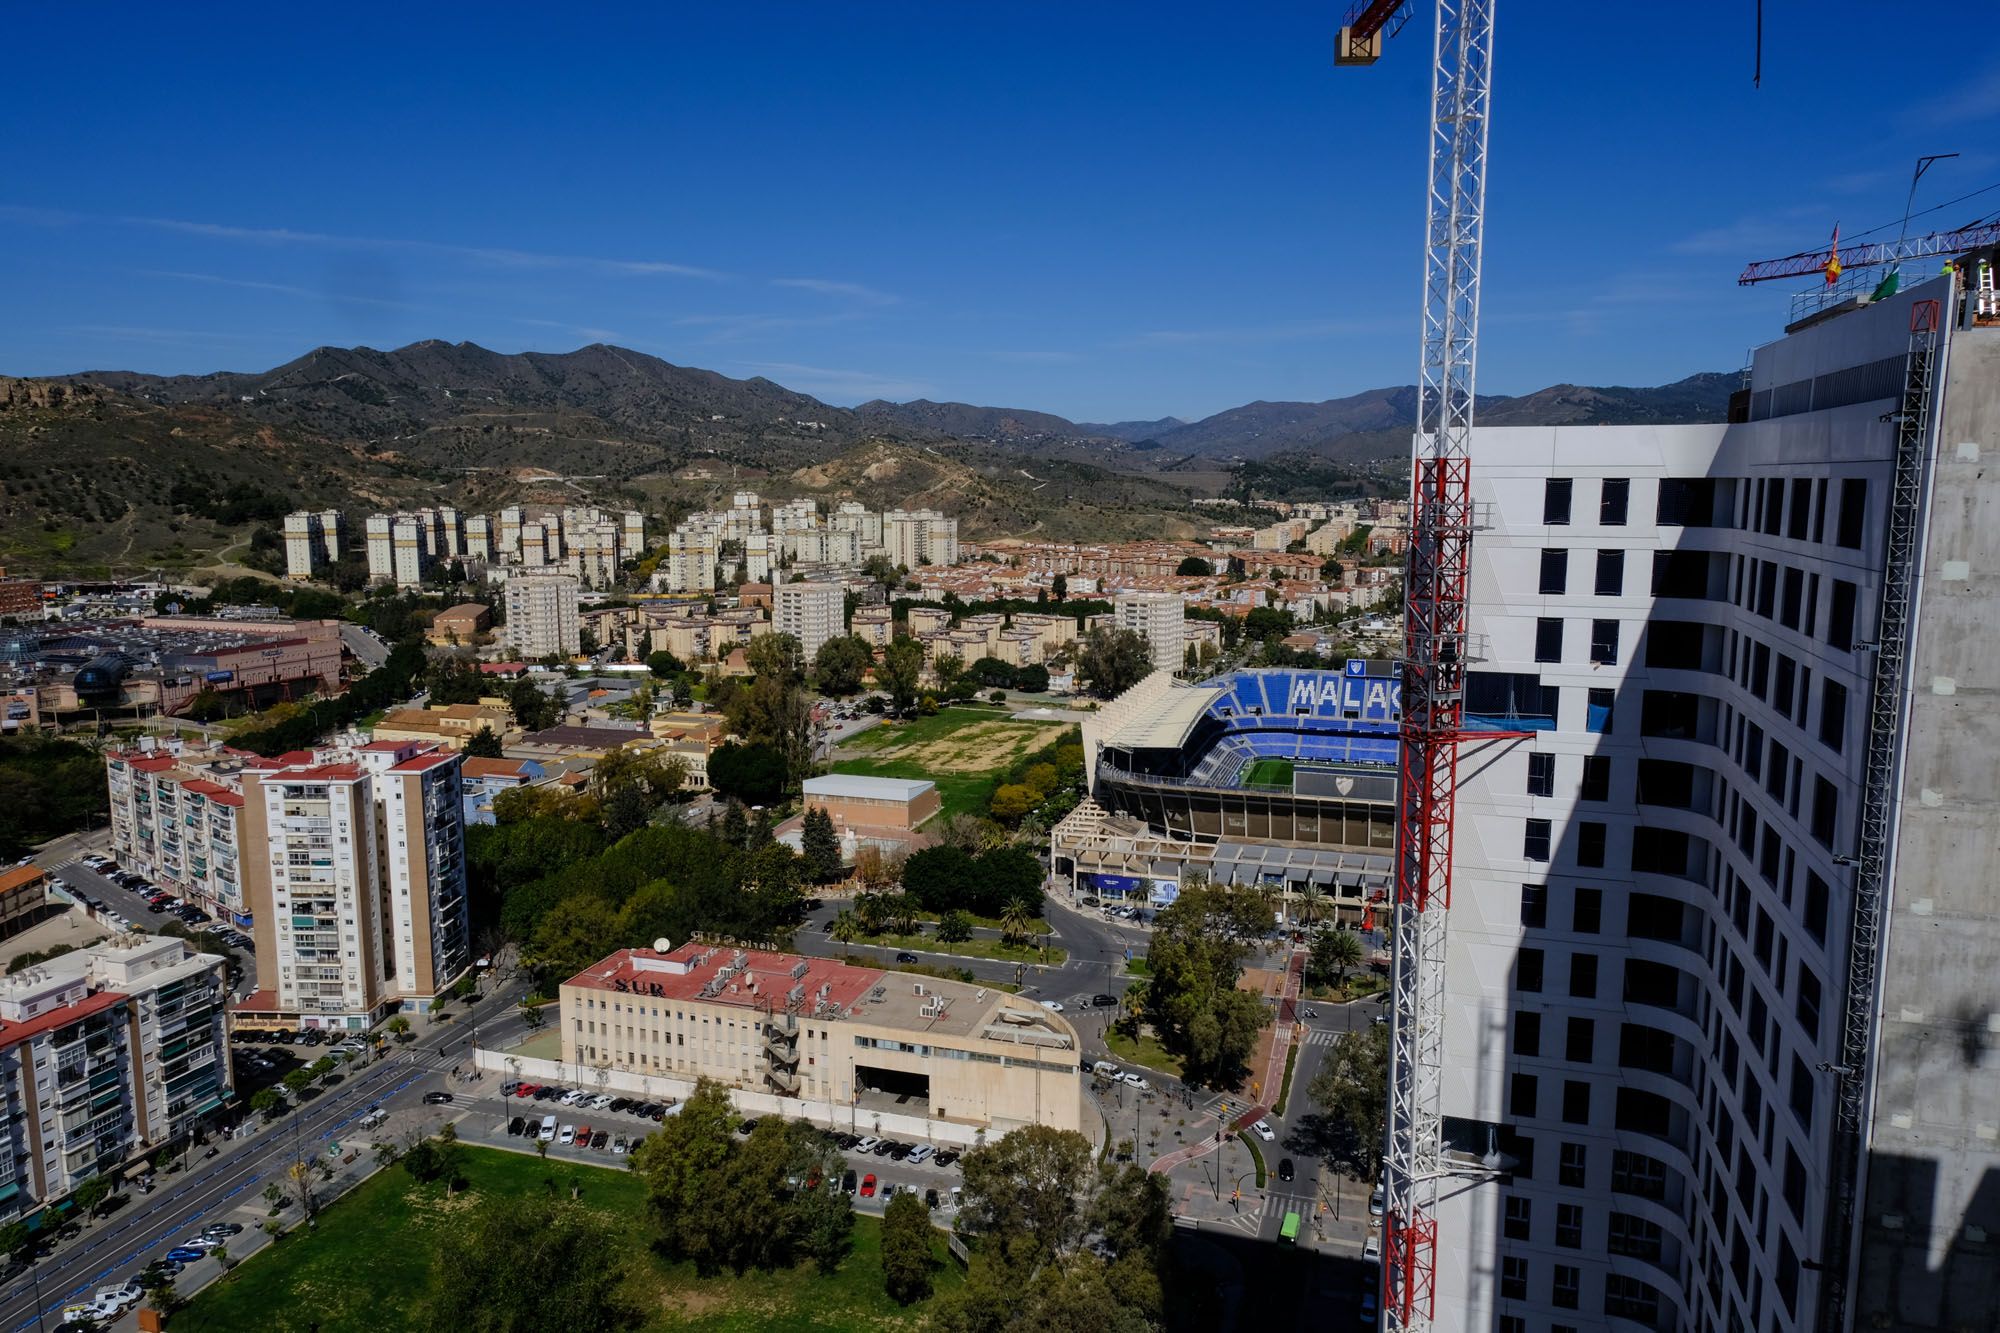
[1252, 720]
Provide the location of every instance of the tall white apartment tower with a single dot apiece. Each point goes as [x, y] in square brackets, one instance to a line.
[1719, 1049]
[542, 614]
[357, 884]
[919, 537]
[479, 537]
[305, 547]
[333, 535]
[381, 539]
[510, 530]
[812, 613]
[1160, 618]
[409, 544]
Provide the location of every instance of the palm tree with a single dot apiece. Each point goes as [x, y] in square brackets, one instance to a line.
[1015, 921]
[1312, 901]
[869, 910]
[1344, 947]
[907, 910]
[845, 927]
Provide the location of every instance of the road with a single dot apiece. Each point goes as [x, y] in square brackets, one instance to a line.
[146, 1228]
[365, 647]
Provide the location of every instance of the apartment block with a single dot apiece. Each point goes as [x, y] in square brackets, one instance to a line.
[1156, 617]
[912, 538]
[1722, 922]
[542, 614]
[105, 1053]
[175, 815]
[358, 887]
[811, 613]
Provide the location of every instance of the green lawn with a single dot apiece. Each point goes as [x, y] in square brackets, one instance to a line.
[1139, 967]
[1269, 773]
[958, 793]
[921, 748]
[1145, 1051]
[370, 1255]
[887, 735]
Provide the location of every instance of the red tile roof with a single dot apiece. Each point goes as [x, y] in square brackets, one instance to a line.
[20, 877]
[495, 768]
[637, 971]
[13, 1034]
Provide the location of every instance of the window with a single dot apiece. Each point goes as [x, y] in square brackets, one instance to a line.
[1580, 1043]
[1840, 616]
[1535, 840]
[1541, 775]
[1528, 971]
[1802, 1094]
[1570, 1170]
[1586, 915]
[1548, 639]
[1521, 1096]
[1807, 1004]
[1613, 500]
[1582, 976]
[1792, 600]
[1555, 572]
[1513, 1278]
[1604, 642]
[1800, 516]
[1816, 895]
[1610, 574]
[1596, 777]
[1832, 715]
[1590, 843]
[1520, 1216]
[1825, 812]
[1853, 512]
[1795, 1185]
[1534, 906]
[1576, 1102]
[1569, 1226]
[1528, 1034]
[1555, 501]
[1597, 712]
[1563, 1291]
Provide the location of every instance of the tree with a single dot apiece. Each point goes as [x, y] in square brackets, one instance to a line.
[906, 1249]
[1196, 955]
[1333, 953]
[840, 664]
[955, 927]
[92, 1193]
[532, 1016]
[1059, 587]
[1352, 1091]
[267, 1102]
[761, 831]
[1016, 921]
[1113, 661]
[298, 1081]
[399, 1028]
[1194, 567]
[664, 664]
[820, 845]
[483, 745]
[846, 927]
[901, 668]
[1027, 1192]
[575, 933]
[1032, 679]
[754, 774]
[735, 823]
[300, 1175]
[1330, 570]
[538, 1263]
[534, 709]
[206, 706]
[1011, 800]
[992, 672]
[1265, 624]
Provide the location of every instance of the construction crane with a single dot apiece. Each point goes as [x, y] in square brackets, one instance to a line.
[1435, 583]
[1869, 256]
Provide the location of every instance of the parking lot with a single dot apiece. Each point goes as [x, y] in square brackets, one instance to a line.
[124, 899]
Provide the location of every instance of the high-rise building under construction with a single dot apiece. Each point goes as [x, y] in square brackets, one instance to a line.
[1722, 1034]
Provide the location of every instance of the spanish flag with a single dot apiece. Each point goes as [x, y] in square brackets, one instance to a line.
[1833, 258]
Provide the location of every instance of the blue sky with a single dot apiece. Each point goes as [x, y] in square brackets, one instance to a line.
[1106, 210]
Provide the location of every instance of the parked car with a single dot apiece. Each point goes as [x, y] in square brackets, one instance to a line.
[599, 1139]
[223, 1229]
[931, 1198]
[1378, 1202]
[868, 1186]
[748, 1126]
[1372, 1251]
[182, 1254]
[621, 1145]
[945, 1158]
[547, 1132]
[866, 1145]
[568, 1135]
[847, 1181]
[920, 1152]
[515, 1126]
[900, 1153]
[1369, 1310]
[884, 1147]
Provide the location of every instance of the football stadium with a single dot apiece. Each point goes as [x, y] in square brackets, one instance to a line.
[1280, 778]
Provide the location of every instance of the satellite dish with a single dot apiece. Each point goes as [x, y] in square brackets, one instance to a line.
[663, 945]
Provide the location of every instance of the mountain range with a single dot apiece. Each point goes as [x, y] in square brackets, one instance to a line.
[103, 467]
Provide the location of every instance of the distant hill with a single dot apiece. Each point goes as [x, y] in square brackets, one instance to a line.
[964, 421]
[1134, 431]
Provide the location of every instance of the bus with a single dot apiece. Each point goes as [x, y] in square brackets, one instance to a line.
[1289, 1233]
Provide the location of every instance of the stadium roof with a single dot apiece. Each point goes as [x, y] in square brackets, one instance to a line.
[1167, 727]
[858, 787]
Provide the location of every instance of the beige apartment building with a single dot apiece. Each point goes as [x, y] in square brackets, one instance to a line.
[542, 614]
[854, 1038]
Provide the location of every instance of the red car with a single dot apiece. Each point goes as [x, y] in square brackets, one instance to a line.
[527, 1089]
[868, 1186]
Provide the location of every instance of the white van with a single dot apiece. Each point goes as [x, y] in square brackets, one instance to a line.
[548, 1132]
[1105, 1069]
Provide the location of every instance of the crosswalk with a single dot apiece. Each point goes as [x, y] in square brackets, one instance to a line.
[1320, 1037]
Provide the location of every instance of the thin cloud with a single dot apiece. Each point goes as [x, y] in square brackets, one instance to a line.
[580, 330]
[136, 333]
[280, 288]
[1294, 331]
[827, 287]
[822, 382]
[1749, 237]
[1970, 103]
[1034, 358]
[743, 327]
[285, 236]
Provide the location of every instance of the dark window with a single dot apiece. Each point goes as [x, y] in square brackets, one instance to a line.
[1816, 895]
[1519, 1218]
[1555, 500]
[1795, 1185]
[1565, 1288]
[1636, 1173]
[1582, 976]
[1535, 840]
[1799, 519]
[1774, 508]
[1587, 911]
[1528, 971]
[1687, 502]
[1555, 572]
[1853, 512]
[1528, 1034]
[1832, 715]
[1570, 1170]
[1807, 1004]
[1819, 510]
[1641, 1112]
[1548, 639]
[1535, 906]
[1613, 501]
[1569, 1226]
[1802, 1094]
[1792, 599]
[1788, 1274]
[1825, 812]
[1840, 616]
[1604, 642]
[1541, 775]
[1576, 1102]
[1521, 1097]
[1590, 843]
[1513, 1278]
[1596, 777]
[1610, 574]
[1597, 711]
[1580, 1042]
[1784, 684]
